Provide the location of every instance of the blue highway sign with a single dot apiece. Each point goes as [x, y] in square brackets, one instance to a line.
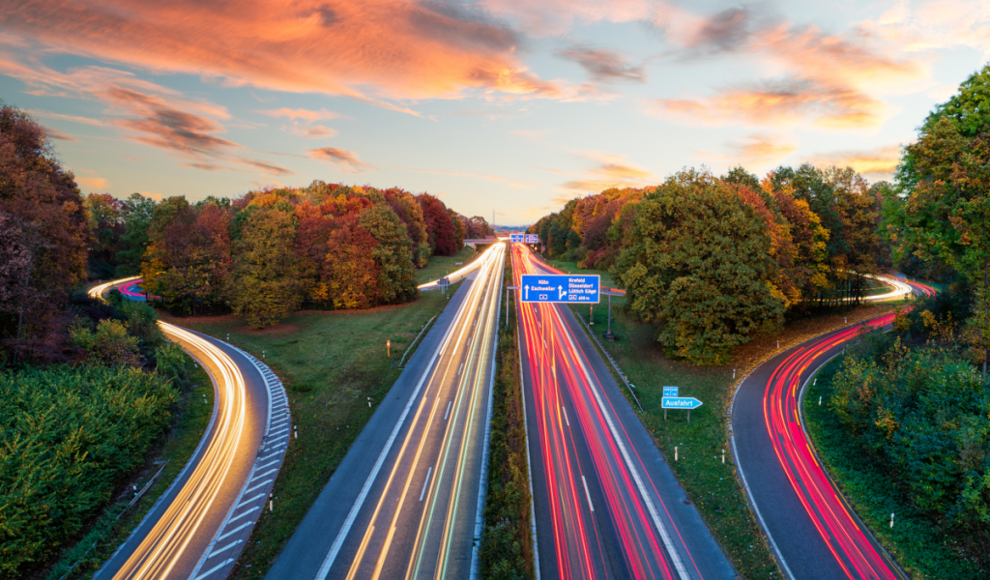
[560, 288]
[670, 391]
[532, 238]
[680, 403]
[517, 238]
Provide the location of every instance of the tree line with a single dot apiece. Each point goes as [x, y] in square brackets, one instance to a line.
[715, 260]
[270, 252]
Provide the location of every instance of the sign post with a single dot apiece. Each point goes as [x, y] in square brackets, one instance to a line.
[676, 402]
[388, 349]
[560, 289]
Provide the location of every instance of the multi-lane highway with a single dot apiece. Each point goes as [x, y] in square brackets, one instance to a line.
[813, 531]
[406, 501]
[606, 503]
[200, 524]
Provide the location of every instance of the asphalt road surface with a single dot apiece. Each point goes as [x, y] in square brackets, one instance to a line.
[406, 500]
[814, 532]
[607, 505]
[198, 527]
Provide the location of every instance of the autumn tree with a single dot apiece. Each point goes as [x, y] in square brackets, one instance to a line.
[44, 203]
[106, 225]
[392, 254]
[405, 205]
[264, 286]
[699, 265]
[440, 228]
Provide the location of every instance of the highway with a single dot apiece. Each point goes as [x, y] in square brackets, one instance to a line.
[199, 526]
[607, 505]
[813, 531]
[406, 501]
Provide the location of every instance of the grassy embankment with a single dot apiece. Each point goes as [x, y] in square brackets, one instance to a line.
[506, 543]
[712, 486]
[103, 535]
[919, 547]
[442, 265]
[330, 363]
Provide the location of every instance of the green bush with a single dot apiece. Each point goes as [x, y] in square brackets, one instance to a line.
[68, 436]
[110, 344]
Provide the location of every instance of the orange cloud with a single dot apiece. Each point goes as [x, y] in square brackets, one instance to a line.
[756, 150]
[365, 49]
[346, 159]
[878, 163]
[786, 102]
[612, 171]
[310, 131]
[96, 183]
[304, 114]
[56, 134]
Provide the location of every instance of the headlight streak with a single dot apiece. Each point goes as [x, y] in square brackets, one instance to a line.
[217, 471]
[554, 358]
[443, 490]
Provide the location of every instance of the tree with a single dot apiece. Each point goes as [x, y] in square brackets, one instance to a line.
[134, 241]
[106, 226]
[699, 264]
[440, 228]
[392, 254]
[405, 206]
[15, 263]
[48, 209]
[264, 286]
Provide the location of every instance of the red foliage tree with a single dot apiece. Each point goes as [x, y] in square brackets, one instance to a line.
[440, 227]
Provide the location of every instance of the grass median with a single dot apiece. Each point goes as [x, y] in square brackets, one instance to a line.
[713, 486]
[332, 364]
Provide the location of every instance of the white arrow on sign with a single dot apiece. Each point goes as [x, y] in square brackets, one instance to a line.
[562, 292]
[527, 291]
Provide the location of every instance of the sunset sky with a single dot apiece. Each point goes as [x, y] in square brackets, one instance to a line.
[506, 105]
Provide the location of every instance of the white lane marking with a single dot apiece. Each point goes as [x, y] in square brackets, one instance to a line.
[235, 518]
[269, 463]
[235, 530]
[447, 414]
[586, 494]
[260, 475]
[225, 548]
[321, 574]
[214, 569]
[425, 483]
[566, 420]
[675, 557]
[247, 501]
[269, 480]
[459, 369]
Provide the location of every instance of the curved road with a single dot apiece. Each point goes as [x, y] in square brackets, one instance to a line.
[606, 503]
[815, 534]
[199, 525]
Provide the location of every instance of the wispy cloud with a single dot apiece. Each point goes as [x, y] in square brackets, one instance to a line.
[604, 65]
[610, 171]
[309, 131]
[304, 114]
[877, 163]
[376, 51]
[56, 134]
[348, 160]
[94, 183]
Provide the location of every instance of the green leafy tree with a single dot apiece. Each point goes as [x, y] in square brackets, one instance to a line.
[265, 286]
[110, 344]
[699, 264]
[392, 254]
[134, 241]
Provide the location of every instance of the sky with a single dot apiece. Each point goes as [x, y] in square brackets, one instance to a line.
[504, 106]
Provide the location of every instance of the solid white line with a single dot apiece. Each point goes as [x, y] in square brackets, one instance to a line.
[235, 530]
[564, 409]
[447, 414]
[214, 569]
[225, 548]
[425, 483]
[586, 494]
[321, 574]
[235, 518]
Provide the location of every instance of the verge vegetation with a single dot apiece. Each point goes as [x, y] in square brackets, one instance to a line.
[331, 362]
[506, 543]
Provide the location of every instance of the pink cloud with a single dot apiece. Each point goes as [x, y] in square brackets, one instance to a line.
[879, 163]
[346, 159]
[366, 49]
[95, 183]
